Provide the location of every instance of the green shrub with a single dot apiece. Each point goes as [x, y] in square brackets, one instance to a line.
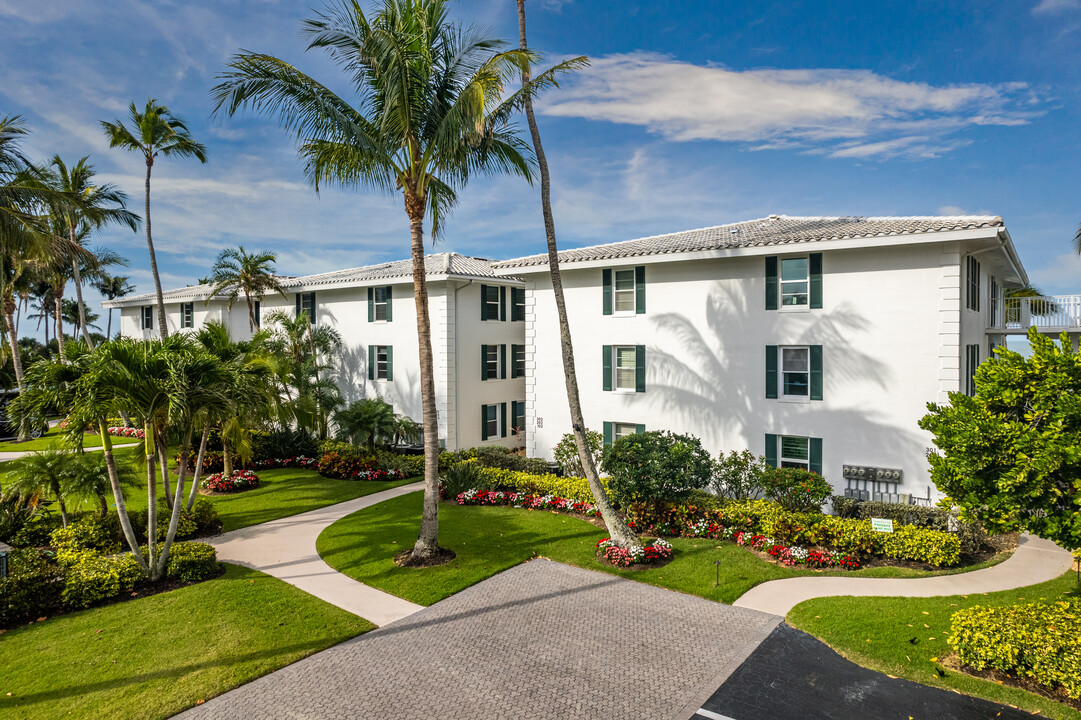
[656, 466]
[970, 534]
[205, 516]
[564, 487]
[193, 561]
[345, 465]
[36, 532]
[796, 489]
[283, 443]
[91, 532]
[566, 453]
[185, 526]
[499, 458]
[31, 589]
[738, 476]
[14, 516]
[845, 507]
[462, 476]
[91, 578]
[908, 542]
[1037, 640]
[337, 446]
[410, 465]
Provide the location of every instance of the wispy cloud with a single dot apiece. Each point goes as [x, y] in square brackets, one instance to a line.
[844, 113]
[1047, 7]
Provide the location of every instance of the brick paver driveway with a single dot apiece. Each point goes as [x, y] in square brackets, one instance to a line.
[541, 640]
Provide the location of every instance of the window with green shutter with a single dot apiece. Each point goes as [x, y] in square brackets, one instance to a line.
[493, 362]
[502, 419]
[517, 308]
[517, 426]
[606, 367]
[306, 304]
[517, 361]
[380, 301]
[815, 262]
[771, 371]
[187, 315]
[606, 291]
[380, 362]
[794, 452]
[816, 372]
[624, 368]
[490, 304]
[772, 288]
[489, 416]
[613, 431]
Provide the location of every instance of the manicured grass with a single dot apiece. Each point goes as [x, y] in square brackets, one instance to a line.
[280, 493]
[56, 438]
[155, 656]
[491, 539]
[875, 632]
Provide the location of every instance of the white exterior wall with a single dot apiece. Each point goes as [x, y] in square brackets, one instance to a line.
[888, 327]
[131, 319]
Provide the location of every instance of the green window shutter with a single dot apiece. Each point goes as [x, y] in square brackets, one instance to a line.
[640, 290]
[390, 302]
[513, 413]
[639, 428]
[371, 304]
[483, 302]
[502, 303]
[816, 372]
[771, 371]
[606, 291]
[502, 419]
[517, 298]
[483, 422]
[607, 434]
[483, 362]
[503, 363]
[371, 362]
[390, 362]
[513, 361]
[771, 450]
[312, 303]
[640, 368]
[814, 455]
[607, 367]
[298, 304]
[772, 288]
[815, 272]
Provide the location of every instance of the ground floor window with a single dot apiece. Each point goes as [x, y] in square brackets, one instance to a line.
[517, 423]
[794, 451]
[493, 421]
[615, 430]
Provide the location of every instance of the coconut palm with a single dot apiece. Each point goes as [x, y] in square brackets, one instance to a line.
[303, 353]
[620, 533]
[112, 287]
[370, 419]
[430, 112]
[236, 271]
[155, 132]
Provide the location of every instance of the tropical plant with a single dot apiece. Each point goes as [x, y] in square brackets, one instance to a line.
[738, 475]
[621, 535]
[36, 477]
[155, 132]
[237, 272]
[370, 419]
[1007, 456]
[112, 287]
[303, 352]
[656, 467]
[406, 430]
[431, 111]
[566, 452]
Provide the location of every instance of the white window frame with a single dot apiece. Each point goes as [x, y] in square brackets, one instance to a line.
[377, 303]
[781, 394]
[187, 321]
[617, 428]
[146, 317]
[382, 366]
[632, 292]
[616, 387]
[494, 409]
[791, 461]
[781, 282]
[488, 363]
[490, 304]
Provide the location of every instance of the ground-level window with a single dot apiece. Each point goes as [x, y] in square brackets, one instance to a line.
[187, 315]
[381, 362]
[613, 431]
[493, 421]
[795, 371]
[794, 452]
[148, 317]
[517, 413]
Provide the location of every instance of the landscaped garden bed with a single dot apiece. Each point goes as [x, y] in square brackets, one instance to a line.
[220, 484]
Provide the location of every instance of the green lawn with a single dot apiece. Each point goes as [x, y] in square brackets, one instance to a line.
[875, 633]
[56, 438]
[155, 656]
[280, 493]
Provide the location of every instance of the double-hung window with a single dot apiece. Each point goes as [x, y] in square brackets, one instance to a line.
[493, 301]
[517, 304]
[795, 372]
[795, 282]
[493, 362]
[493, 420]
[624, 291]
[624, 368]
[517, 417]
[613, 431]
[381, 362]
[306, 305]
[187, 315]
[994, 304]
[380, 301]
[517, 361]
[148, 317]
[794, 451]
[972, 296]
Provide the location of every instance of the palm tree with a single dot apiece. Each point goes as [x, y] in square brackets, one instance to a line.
[429, 114]
[89, 206]
[370, 419]
[80, 323]
[406, 429]
[155, 131]
[620, 533]
[36, 476]
[112, 287]
[236, 271]
[302, 351]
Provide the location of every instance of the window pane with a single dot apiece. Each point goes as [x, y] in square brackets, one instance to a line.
[794, 293]
[380, 294]
[794, 448]
[624, 300]
[794, 269]
[623, 430]
[625, 368]
[796, 384]
[795, 359]
[624, 279]
[790, 464]
[380, 311]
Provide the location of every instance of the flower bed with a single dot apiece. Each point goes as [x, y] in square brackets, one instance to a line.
[238, 481]
[128, 432]
[652, 553]
[377, 475]
[530, 502]
[300, 461]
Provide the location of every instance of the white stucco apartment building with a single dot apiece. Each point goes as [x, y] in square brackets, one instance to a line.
[478, 333]
[813, 341]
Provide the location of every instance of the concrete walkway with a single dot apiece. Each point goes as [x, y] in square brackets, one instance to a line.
[285, 548]
[15, 455]
[1034, 561]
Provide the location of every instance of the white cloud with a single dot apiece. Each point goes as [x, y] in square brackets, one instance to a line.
[846, 113]
[951, 210]
[1046, 7]
[1060, 275]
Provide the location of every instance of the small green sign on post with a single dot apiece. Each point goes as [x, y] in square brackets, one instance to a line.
[882, 525]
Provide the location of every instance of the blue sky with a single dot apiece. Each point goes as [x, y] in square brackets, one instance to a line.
[692, 114]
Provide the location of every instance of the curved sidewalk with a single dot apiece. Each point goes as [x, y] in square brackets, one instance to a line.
[1034, 561]
[285, 548]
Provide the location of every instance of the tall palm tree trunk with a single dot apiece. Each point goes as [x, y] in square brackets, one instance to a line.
[151, 499]
[621, 534]
[163, 330]
[198, 466]
[77, 276]
[118, 496]
[59, 312]
[13, 340]
[109, 326]
[427, 544]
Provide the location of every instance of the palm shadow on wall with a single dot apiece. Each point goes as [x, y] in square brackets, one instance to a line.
[705, 383]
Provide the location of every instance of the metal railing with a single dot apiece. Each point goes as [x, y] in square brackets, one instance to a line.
[1059, 312]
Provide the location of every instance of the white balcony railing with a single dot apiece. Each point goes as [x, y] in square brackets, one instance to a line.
[1059, 312]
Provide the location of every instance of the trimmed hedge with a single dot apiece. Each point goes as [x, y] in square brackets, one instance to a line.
[90, 532]
[971, 535]
[32, 588]
[91, 578]
[192, 561]
[1037, 640]
[564, 487]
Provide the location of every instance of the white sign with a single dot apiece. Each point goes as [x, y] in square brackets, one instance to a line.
[882, 525]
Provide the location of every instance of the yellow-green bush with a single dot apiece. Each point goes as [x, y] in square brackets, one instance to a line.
[572, 488]
[933, 547]
[90, 578]
[1037, 640]
[193, 561]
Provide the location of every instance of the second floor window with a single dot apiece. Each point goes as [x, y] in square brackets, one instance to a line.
[795, 371]
[148, 317]
[972, 296]
[306, 304]
[623, 290]
[624, 368]
[517, 360]
[493, 362]
[380, 304]
[795, 281]
[493, 300]
[187, 315]
[380, 362]
[517, 305]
